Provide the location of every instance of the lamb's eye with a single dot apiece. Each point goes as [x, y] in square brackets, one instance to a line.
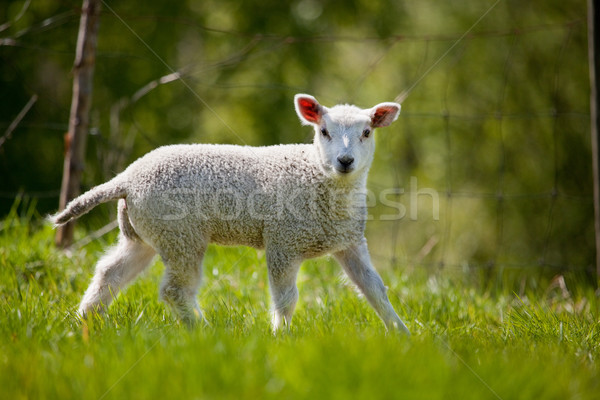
[366, 132]
[324, 132]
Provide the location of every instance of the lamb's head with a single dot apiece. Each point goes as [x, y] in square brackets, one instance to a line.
[344, 133]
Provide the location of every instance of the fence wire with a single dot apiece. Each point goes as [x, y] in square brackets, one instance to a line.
[481, 223]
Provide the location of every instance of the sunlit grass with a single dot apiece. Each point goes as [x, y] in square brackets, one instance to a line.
[466, 343]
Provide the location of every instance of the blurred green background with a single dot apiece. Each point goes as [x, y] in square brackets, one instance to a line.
[489, 164]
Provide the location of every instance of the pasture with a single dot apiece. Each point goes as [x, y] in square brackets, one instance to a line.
[468, 342]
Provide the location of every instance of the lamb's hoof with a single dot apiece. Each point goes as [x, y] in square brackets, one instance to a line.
[399, 328]
[195, 320]
[87, 311]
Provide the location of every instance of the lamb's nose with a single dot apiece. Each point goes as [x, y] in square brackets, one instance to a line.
[345, 160]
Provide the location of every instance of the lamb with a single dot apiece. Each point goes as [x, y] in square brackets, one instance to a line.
[295, 201]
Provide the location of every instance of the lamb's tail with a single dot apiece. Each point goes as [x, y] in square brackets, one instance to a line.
[111, 190]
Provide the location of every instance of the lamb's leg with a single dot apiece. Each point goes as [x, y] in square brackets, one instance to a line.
[357, 263]
[180, 285]
[282, 281]
[114, 270]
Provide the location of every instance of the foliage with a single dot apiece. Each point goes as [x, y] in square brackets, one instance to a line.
[495, 123]
[467, 342]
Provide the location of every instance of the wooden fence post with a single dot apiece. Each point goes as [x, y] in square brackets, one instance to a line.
[83, 73]
[594, 62]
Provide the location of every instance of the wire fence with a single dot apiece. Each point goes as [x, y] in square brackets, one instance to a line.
[497, 185]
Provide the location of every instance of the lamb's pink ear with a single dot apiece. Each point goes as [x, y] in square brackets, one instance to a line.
[384, 114]
[308, 109]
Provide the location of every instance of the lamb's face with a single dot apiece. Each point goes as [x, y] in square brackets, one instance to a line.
[344, 134]
[344, 139]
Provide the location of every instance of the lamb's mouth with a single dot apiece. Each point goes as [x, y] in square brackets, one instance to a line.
[343, 170]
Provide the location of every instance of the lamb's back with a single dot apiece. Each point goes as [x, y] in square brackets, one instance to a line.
[219, 166]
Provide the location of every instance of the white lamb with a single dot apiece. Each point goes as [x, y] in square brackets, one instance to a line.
[296, 201]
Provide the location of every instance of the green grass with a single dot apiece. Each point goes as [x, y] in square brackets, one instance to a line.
[466, 343]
